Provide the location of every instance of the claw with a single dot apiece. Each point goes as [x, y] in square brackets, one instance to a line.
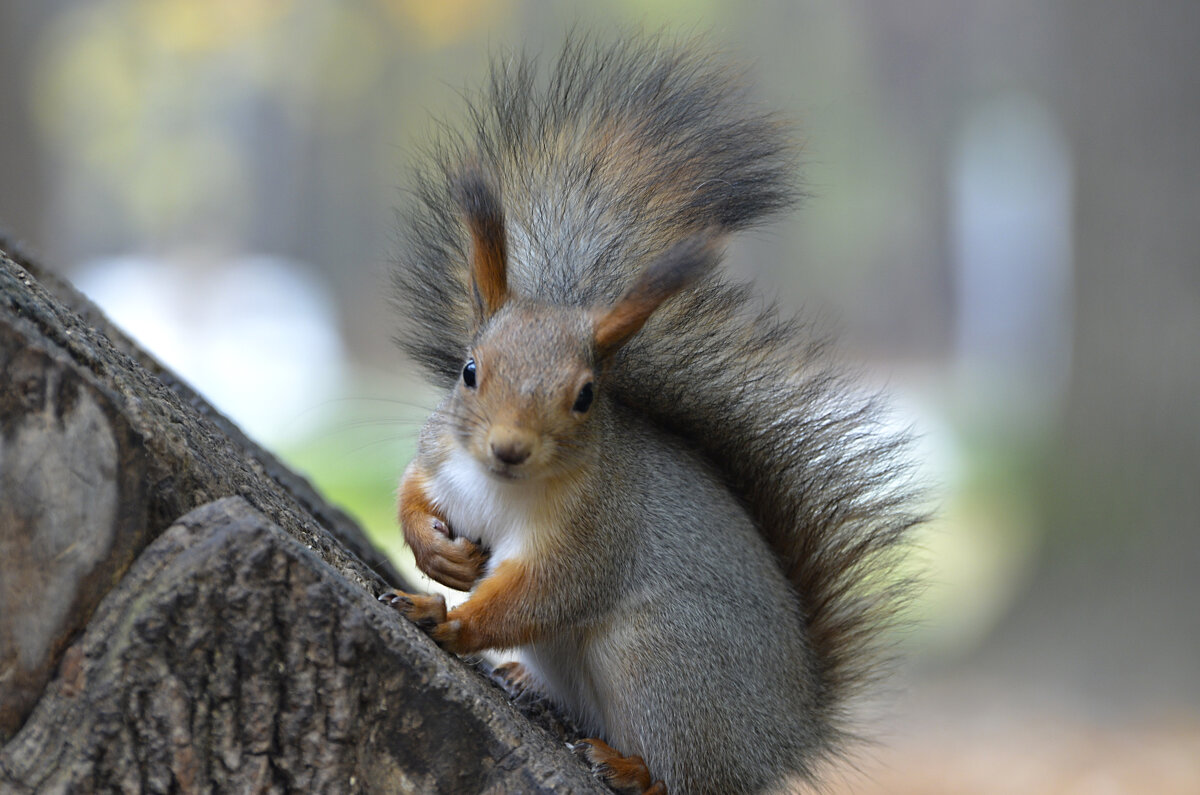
[397, 600]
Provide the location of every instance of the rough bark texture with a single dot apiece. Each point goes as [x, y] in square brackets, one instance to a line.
[240, 650]
[232, 658]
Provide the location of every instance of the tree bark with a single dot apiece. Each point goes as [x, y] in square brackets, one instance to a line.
[179, 612]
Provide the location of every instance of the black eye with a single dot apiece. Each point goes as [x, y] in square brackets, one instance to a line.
[584, 401]
[469, 373]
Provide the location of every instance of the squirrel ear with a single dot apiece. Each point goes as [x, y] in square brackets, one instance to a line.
[683, 263]
[489, 246]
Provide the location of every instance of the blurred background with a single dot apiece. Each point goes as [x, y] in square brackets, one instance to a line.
[1003, 229]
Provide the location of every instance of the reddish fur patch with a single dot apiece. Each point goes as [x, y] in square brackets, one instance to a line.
[416, 515]
[621, 322]
[674, 270]
[489, 260]
[494, 618]
[415, 505]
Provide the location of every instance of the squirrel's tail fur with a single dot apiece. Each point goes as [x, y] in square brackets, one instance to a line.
[600, 166]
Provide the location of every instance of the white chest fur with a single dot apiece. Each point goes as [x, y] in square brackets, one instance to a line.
[507, 517]
[501, 515]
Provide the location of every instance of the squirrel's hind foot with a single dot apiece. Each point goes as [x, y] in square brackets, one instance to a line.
[622, 773]
[516, 680]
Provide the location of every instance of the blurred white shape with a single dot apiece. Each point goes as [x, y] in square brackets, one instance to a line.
[257, 335]
[1012, 243]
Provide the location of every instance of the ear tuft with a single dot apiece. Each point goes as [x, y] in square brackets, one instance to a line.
[484, 217]
[682, 264]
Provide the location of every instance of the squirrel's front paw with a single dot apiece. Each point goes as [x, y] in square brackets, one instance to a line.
[454, 562]
[427, 610]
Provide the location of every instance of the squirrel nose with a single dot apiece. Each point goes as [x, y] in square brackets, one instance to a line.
[511, 446]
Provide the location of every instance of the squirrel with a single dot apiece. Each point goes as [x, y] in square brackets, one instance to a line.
[662, 494]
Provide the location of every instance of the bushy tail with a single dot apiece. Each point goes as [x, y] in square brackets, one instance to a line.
[828, 483]
[603, 164]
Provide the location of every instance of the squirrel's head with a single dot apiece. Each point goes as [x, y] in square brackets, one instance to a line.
[532, 381]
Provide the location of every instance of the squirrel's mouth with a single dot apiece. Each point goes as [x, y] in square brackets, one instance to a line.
[506, 472]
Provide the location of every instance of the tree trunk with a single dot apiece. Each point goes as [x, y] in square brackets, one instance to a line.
[179, 612]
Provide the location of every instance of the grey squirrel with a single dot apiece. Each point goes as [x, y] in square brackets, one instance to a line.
[662, 494]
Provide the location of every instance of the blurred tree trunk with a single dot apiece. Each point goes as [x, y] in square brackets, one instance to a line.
[178, 612]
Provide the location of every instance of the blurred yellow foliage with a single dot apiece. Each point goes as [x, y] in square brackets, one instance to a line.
[87, 86]
[153, 101]
[436, 24]
[198, 26]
